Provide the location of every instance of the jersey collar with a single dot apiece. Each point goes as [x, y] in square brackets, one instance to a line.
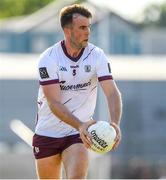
[75, 59]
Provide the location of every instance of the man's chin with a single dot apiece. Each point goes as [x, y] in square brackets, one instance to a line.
[85, 43]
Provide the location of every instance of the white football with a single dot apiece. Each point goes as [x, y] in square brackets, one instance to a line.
[103, 136]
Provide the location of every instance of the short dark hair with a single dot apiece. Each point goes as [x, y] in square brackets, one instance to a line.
[66, 14]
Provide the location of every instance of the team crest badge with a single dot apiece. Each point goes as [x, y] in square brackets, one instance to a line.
[36, 150]
[87, 68]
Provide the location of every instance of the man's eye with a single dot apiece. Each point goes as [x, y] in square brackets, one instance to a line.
[82, 27]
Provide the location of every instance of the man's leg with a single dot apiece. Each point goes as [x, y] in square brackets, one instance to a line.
[49, 167]
[75, 159]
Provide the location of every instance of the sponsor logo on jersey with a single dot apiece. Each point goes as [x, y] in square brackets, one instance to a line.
[63, 68]
[87, 68]
[76, 87]
[43, 72]
[62, 82]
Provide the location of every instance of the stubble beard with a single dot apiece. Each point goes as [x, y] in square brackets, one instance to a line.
[84, 44]
[76, 45]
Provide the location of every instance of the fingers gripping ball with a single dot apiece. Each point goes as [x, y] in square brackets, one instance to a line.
[103, 136]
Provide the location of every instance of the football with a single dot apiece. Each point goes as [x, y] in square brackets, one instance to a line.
[103, 136]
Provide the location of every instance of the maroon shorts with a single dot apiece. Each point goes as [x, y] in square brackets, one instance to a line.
[48, 146]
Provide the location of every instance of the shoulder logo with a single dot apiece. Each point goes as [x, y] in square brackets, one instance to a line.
[87, 68]
[62, 68]
[43, 72]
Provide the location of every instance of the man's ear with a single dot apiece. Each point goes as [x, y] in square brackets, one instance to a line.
[67, 31]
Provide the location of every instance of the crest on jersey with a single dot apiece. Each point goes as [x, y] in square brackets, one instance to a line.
[36, 149]
[87, 68]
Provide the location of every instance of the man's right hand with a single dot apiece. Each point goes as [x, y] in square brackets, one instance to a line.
[85, 136]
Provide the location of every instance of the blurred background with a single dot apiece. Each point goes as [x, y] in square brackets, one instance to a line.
[133, 35]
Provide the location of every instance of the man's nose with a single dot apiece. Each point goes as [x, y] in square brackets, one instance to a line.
[87, 31]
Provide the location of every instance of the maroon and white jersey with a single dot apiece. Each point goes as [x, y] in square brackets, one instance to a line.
[77, 78]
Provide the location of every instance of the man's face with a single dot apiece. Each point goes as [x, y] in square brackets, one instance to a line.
[80, 31]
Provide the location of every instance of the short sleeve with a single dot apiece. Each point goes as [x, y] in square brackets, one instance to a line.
[103, 67]
[47, 71]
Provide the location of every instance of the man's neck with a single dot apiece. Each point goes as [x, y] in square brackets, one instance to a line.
[73, 52]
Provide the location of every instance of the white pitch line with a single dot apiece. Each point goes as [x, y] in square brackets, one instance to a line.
[19, 128]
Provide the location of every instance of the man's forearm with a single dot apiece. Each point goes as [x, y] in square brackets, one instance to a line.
[115, 107]
[64, 114]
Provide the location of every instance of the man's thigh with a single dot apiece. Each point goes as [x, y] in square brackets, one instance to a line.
[75, 159]
[47, 151]
[49, 167]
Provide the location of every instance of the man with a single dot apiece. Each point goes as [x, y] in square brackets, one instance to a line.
[68, 76]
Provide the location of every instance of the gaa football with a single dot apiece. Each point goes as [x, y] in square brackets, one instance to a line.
[103, 136]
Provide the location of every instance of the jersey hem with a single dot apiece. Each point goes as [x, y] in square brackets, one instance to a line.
[51, 135]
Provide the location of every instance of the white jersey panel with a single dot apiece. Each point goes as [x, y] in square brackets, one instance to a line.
[78, 84]
[103, 66]
[47, 67]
